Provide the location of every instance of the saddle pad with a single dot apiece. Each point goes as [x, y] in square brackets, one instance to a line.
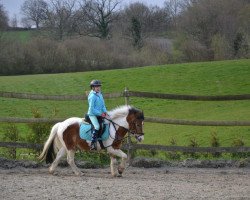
[85, 132]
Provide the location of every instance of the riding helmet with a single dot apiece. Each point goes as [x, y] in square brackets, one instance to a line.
[95, 83]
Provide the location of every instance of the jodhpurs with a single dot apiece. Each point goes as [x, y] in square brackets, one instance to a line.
[95, 122]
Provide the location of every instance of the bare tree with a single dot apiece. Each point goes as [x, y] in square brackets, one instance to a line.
[97, 17]
[60, 17]
[3, 18]
[244, 19]
[160, 20]
[14, 22]
[202, 20]
[173, 8]
[136, 23]
[35, 11]
[153, 20]
[26, 22]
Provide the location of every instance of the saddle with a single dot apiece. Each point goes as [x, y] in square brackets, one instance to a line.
[100, 121]
[86, 130]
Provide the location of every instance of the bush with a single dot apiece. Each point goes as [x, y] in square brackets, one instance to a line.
[44, 55]
[193, 143]
[39, 131]
[221, 48]
[238, 142]
[174, 155]
[215, 143]
[11, 135]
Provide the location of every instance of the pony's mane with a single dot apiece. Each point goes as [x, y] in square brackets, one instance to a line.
[119, 111]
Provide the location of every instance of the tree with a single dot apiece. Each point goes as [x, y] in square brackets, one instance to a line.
[60, 17]
[141, 12]
[97, 17]
[26, 23]
[153, 20]
[136, 23]
[14, 22]
[3, 18]
[160, 20]
[173, 8]
[203, 19]
[35, 11]
[136, 33]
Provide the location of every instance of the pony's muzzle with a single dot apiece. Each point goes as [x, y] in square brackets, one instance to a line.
[140, 138]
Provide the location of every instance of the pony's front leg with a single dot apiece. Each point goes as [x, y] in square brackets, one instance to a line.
[71, 161]
[113, 162]
[122, 155]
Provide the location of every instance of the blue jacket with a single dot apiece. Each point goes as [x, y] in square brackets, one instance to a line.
[96, 104]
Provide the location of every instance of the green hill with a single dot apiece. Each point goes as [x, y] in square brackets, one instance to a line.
[206, 78]
[22, 36]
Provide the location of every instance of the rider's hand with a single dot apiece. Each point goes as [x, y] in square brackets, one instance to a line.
[103, 115]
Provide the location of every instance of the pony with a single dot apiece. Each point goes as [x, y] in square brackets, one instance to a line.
[64, 139]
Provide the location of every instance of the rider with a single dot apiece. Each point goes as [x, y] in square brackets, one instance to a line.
[96, 108]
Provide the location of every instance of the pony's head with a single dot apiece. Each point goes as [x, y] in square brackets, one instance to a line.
[135, 119]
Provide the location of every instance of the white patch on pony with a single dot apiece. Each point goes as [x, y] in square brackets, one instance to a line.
[119, 111]
[66, 123]
[119, 115]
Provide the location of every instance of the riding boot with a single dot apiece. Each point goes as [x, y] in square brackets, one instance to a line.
[93, 141]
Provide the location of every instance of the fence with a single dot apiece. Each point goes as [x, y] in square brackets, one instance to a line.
[126, 94]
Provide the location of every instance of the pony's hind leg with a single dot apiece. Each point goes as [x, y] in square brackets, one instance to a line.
[59, 155]
[71, 161]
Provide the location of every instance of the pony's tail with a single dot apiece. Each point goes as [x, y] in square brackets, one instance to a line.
[48, 150]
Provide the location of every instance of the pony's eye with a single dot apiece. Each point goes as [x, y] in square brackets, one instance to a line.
[137, 125]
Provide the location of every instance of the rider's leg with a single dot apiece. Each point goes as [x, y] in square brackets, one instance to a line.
[95, 131]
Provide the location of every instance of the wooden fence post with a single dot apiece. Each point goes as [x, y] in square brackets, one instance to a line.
[126, 94]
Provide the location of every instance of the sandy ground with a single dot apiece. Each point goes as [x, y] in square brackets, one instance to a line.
[136, 183]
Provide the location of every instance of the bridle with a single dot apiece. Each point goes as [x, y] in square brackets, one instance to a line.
[135, 134]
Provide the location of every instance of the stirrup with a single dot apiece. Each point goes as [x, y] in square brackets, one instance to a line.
[93, 146]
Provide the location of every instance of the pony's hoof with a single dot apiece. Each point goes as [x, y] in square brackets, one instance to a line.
[119, 175]
[120, 170]
[51, 171]
[79, 174]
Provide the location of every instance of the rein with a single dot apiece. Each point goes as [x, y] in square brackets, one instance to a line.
[117, 139]
[128, 130]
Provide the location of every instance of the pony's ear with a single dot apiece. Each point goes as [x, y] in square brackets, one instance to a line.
[142, 115]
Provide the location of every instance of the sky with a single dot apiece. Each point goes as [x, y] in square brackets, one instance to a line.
[13, 6]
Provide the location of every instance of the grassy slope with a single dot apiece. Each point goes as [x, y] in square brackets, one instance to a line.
[18, 35]
[208, 78]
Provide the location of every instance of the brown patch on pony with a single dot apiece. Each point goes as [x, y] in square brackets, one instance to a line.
[72, 138]
[120, 134]
[138, 114]
[135, 117]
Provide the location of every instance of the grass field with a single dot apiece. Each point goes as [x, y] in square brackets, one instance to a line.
[22, 36]
[206, 78]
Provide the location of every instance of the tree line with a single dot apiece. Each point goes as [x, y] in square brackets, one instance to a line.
[80, 35]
